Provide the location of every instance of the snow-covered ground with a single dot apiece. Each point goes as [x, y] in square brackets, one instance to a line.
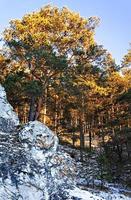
[95, 195]
[87, 179]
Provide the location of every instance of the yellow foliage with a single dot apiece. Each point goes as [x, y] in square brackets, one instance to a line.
[59, 27]
[92, 84]
[119, 83]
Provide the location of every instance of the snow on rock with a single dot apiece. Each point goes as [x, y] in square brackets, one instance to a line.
[83, 194]
[38, 136]
[8, 118]
[96, 195]
[31, 166]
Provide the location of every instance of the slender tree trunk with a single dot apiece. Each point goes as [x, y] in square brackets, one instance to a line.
[38, 109]
[40, 105]
[82, 140]
[119, 152]
[32, 109]
[25, 111]
[90, 140]
[56, 115]
[45, 106]
[73, 139]
[81, 125]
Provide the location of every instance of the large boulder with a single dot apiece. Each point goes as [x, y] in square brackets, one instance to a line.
[35, 135]
[8, 118]
[31, 165]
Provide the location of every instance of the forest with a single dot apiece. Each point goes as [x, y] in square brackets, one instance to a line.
[54, 71]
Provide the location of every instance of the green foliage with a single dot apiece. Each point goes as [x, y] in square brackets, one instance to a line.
[33, 88]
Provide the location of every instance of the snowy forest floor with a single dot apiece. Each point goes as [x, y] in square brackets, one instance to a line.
[90, 186]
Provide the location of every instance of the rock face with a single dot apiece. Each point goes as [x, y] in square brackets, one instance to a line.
[31, 166]
[8, 118]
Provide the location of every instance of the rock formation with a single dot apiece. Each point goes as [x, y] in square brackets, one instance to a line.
[8, 118]
[31, 166]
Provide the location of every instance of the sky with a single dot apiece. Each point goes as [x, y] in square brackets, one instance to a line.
[114, 31]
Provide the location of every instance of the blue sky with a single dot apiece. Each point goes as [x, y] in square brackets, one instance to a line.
[114, 31]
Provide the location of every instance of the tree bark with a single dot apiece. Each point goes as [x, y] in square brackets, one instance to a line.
[90, 140]
[32, 109]
[38, 109]
[82, 140]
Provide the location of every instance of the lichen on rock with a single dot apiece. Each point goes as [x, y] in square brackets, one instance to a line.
[31, 165]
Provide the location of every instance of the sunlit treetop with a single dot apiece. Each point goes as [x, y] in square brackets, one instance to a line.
[61, 29]
[127, 59]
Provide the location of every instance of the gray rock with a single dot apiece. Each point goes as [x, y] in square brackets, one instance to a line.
[8, 118]
[38, 136]
[31, 165]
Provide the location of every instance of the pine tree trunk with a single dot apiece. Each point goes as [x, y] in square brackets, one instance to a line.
[82, 140]
[32, 109]
[73, 139]
[45, 105]
[38, 109]
[56, 116]
[40, 105]
[90, 140]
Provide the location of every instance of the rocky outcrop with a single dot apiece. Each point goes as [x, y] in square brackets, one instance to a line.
[31, 166]
[8, 118]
